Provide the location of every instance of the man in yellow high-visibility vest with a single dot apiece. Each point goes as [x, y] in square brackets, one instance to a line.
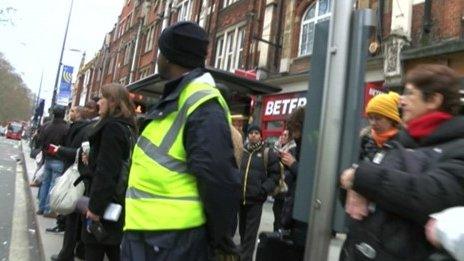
[184, 185]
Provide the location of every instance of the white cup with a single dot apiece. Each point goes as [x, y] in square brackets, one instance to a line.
[85, 147]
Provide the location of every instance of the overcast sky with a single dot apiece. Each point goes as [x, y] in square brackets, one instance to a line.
[32, 44]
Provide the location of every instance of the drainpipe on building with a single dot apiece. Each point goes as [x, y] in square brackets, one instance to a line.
[278, 38]
[427, 22]
[259, 24]
[379, 29]
[166, 19]
[136, 50]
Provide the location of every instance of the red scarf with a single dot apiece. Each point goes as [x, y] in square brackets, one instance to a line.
[426, 124]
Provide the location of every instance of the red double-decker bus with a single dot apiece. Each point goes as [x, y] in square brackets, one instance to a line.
[14, 130]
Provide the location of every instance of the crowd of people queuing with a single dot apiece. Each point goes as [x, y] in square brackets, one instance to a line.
[184, 189]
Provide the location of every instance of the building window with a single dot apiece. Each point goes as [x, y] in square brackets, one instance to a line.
[226, 3]
[203, 13]
[183, 13]
[128, 22]
[127, 53]
[317, 12]
[99, 70]
[149, 41]
[121, 29]
[144, 73]
[219, 52]
[229, 49]
[111, 65]
[123, 80]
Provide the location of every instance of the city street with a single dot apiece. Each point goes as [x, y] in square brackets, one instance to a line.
[18, 239]
[24, 223]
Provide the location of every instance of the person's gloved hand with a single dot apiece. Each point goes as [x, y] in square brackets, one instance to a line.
[356, 205]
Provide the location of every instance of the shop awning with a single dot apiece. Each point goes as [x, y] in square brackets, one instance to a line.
[153, 85]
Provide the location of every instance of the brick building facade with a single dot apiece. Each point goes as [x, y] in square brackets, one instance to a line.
[274, 39]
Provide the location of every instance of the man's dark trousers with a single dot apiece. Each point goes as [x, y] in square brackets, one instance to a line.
[277, 209]
[249, 220]
[71, 236]
[180, 245]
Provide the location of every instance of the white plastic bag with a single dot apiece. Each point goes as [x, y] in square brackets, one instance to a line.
[38, 158]
[38, 176]
[64, 195]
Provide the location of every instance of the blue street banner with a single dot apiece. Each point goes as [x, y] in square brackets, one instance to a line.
[64, 92]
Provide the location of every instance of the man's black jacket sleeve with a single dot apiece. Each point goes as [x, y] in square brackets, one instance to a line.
[207, 140]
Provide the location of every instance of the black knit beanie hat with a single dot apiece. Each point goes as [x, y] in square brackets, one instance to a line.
[184, 44]
[254, 128]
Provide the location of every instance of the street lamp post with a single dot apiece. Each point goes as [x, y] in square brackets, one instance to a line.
[55, 87]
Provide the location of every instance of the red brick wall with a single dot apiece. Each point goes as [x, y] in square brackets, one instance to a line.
[446, 21]
[233, 14]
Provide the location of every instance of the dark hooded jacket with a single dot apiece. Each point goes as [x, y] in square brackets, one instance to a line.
[78, 133]
[52, 133]
[110, 148]
[414, 179]
[258, 179]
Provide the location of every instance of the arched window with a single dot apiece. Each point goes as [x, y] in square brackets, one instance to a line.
[317, 12]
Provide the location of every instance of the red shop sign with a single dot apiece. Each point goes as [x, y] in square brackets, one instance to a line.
[372, 89]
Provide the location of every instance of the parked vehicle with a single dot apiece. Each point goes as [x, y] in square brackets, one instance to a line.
[14, 130]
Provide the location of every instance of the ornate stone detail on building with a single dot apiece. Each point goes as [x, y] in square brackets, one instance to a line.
[392, 68]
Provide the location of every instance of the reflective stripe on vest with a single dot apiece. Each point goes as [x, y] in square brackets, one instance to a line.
[162, 194]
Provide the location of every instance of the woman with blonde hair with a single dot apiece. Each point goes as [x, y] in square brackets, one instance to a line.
[111, 142]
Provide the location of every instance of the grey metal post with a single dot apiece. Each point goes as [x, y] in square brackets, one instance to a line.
[323, 198]
[363, 21]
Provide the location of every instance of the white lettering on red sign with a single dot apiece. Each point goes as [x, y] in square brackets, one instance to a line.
[373, 92]
[284, 106]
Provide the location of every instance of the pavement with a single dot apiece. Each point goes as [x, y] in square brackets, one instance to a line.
[51, 243]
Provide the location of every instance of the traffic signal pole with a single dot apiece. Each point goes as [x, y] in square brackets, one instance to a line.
[331, 126]
[323, 198]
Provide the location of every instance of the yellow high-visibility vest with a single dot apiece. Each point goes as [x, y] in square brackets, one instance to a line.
[161, 193]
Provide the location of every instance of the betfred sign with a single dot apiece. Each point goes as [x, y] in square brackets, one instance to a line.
[372, 89]
[278, 107]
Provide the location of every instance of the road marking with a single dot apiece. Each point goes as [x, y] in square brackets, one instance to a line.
[19, 246]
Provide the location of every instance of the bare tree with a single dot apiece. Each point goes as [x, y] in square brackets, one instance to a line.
[16, 100]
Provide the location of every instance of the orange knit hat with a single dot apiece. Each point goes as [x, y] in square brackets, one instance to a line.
[385, 104]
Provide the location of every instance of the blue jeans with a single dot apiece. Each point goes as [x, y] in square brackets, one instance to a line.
[53, 169]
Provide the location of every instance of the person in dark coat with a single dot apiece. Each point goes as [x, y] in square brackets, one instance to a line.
[110, 148]
[52, 133]
[421, 173]
[260, 175]
[284, 144]
[290, 160]
[383, 115]
[71, 224]
[209, 162]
